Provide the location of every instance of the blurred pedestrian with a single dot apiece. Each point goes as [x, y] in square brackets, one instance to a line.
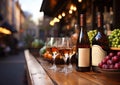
[13, 44]
[2, 47]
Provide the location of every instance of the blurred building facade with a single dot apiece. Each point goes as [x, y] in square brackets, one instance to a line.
[13, 14]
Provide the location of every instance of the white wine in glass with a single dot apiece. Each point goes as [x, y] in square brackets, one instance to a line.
[51, 46]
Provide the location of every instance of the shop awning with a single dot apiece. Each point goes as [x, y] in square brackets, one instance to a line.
[9, 27]
[5, 31]
[6, 25]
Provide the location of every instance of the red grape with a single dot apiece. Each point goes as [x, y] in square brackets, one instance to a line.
[100, 64]
[104, 61]
[109, 62]
[105, 66]
[118, 53]
[116, 66]
[111, 54]
[119, 64]
[115, 59]
[111, 66]
[107, 57]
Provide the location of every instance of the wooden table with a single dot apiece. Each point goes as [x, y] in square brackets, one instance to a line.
[39, 74]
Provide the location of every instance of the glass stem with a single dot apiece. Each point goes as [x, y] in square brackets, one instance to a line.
[65, 64]
[54, 59]
[70, 61]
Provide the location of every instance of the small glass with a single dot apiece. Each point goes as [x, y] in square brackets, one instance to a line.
[64, 52]
[51, 47]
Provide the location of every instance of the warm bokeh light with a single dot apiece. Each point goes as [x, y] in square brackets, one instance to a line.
[70, 11]
[52, 23]
[4, 30]
[56, 19]
[71, 7]
[79, 0]
[74, 8]
[59, 16]
[63, 14]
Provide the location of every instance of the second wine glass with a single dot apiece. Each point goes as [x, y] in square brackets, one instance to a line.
[64, 50]
[52, 49]
[72, 52]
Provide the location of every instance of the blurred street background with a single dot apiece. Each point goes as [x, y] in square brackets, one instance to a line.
[12, 70]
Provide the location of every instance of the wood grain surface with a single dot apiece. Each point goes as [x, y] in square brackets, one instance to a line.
[38, 64]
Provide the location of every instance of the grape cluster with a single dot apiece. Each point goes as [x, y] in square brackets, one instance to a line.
[114, 38]
[111, 61]
[91, 34]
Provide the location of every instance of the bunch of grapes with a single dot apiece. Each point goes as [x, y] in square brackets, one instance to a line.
[91, 34]
[111, 61]
[114, 38]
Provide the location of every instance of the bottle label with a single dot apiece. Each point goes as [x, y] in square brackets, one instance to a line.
[83, 57]
[97, 54]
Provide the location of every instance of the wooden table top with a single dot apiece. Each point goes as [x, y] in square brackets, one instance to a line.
[78, 78]
[74, 78]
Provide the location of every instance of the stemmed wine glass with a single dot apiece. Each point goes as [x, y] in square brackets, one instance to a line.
[64, 52]
[72, 51]
[51, 47]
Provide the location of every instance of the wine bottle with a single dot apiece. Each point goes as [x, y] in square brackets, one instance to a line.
[100, 44]
[83, 46]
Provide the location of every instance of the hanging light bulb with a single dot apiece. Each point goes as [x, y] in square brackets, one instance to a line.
[70, 11]
[52, 23]
[59, 16]
[63, 14]
[71, 7]
[80, 1]
[74, 8]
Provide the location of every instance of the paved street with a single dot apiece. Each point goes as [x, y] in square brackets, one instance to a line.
[12, 69]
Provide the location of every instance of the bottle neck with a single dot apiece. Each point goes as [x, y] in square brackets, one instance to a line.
[99, 22]
[82, 20]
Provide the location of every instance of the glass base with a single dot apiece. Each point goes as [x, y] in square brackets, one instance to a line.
[54, 67]
[70, 67]
[65, 70]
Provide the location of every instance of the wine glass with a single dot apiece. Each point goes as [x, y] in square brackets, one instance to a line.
[72, 51]
[51, 47]
[64, 52]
